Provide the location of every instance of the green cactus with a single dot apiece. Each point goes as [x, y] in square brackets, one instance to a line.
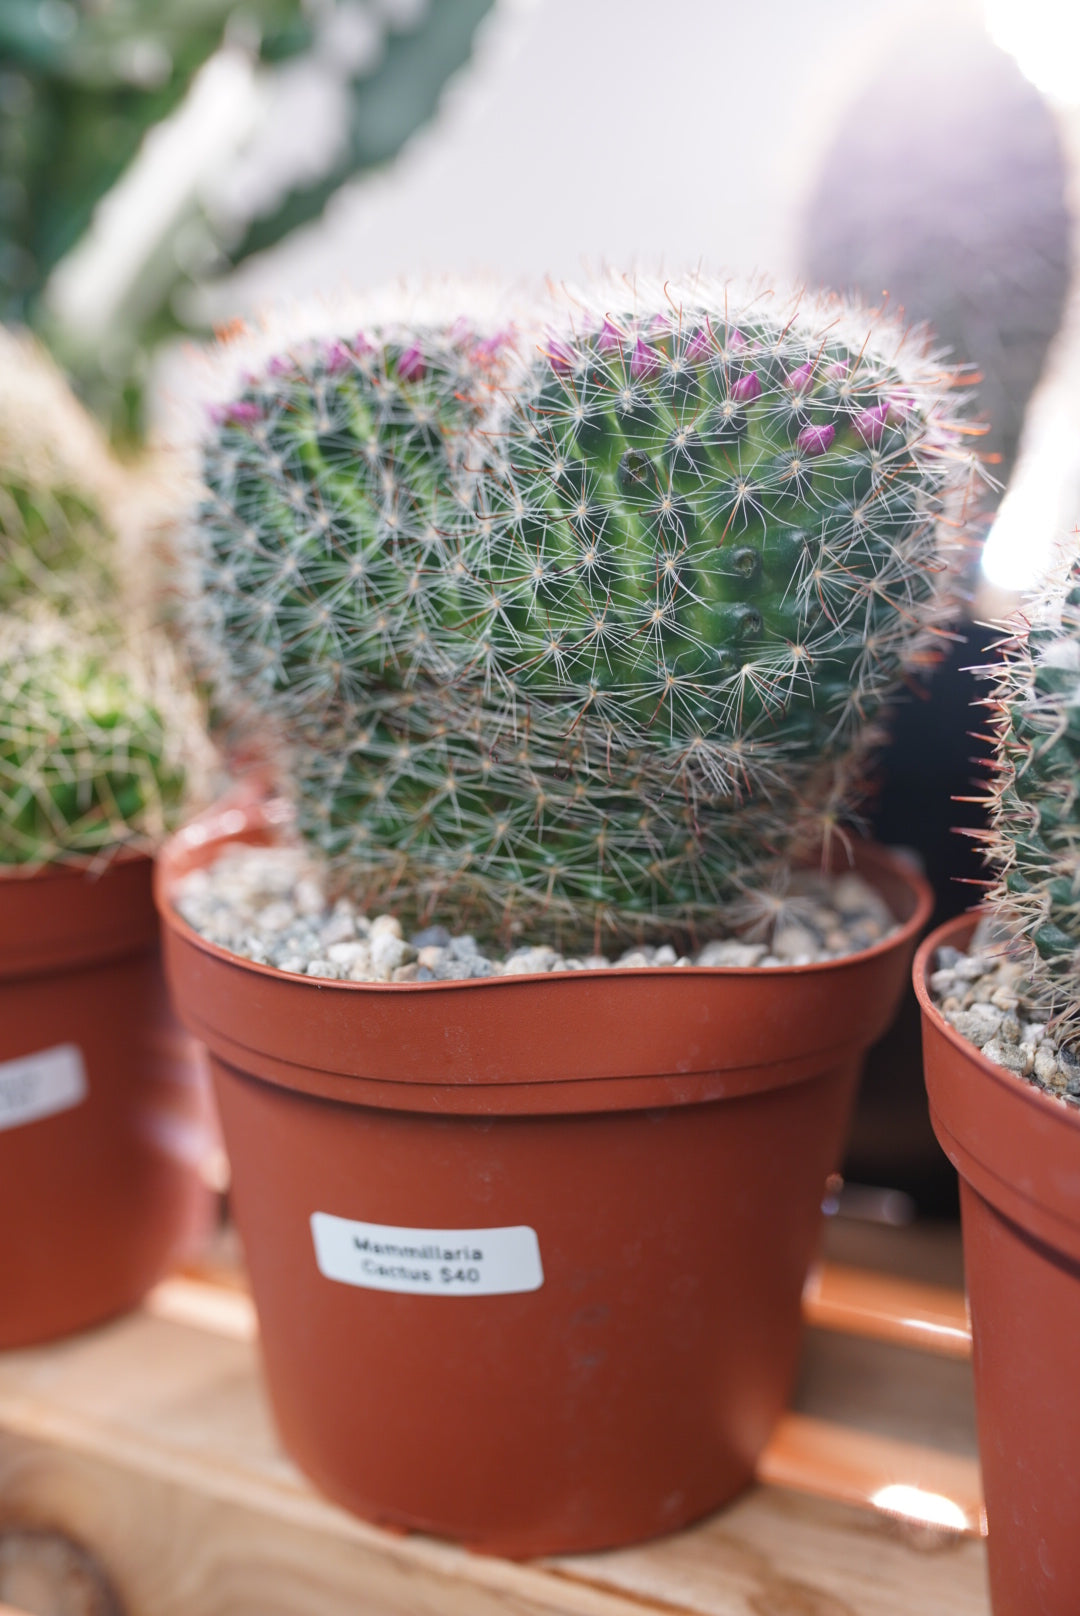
[56, 478]
[606, 662]
[93, 738]
[1034, 840]
[87, 763]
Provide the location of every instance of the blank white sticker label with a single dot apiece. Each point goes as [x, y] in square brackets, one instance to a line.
[40, 1085]
[427, 1262]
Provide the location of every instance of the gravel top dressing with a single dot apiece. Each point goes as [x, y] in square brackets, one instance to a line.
[268, 905]
[981, 995]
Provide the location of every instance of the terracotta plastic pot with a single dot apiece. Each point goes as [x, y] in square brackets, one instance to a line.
[105, 1119]
[528, 1252]
[1017, 1150]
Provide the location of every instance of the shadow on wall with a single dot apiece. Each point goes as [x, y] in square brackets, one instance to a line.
[945, 188]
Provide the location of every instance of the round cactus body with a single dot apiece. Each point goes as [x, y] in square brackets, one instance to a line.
[604, 655]
[337, 509]
[86, 763]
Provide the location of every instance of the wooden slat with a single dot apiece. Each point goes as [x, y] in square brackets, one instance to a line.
[149, 1442]
[858, 1467]
[883, 1307]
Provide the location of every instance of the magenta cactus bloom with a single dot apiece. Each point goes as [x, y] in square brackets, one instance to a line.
[411, 366]
[870, 425]
[815, 440]
[338, 358]
[559, 356]
[609, 339]
[747, 388]
[644, 361]
[240, 413]
[837, 372]
[700, 345]
[799, 380]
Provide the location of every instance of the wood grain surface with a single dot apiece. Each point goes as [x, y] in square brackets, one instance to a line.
[149, 1441]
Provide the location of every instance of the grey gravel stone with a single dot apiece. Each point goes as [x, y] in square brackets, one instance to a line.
[994, 1015]
[267, 904]
[1015, 1057]
[731, 952]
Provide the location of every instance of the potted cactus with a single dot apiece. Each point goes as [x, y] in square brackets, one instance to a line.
[567, 643]
[99, 1107]
[1001, 1018]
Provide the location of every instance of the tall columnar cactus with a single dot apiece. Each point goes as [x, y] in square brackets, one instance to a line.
[88, 762]
[601, 654]
[1034, 841]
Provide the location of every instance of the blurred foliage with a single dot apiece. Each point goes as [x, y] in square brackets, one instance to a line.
[82, 82]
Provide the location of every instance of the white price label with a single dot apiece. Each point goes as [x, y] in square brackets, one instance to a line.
[427, 1262]
[40, 1085]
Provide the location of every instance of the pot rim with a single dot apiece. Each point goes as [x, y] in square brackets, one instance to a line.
[227, 821]
[63, 916]
[90, 867]
[596, 1039]
[1016, 1145]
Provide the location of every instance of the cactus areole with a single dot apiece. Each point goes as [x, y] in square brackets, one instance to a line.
[584, 627]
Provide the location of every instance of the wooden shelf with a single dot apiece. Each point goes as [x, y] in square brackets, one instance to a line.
[148, 1441]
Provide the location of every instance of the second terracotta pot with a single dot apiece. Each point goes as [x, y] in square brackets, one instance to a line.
[528, 1252]
[105, 1119]
[1017, 1150]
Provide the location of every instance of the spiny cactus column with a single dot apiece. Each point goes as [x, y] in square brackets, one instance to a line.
[610, 682]
[1034, 842]
[87, 763]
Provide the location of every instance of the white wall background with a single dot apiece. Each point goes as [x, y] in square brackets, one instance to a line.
[672, 131]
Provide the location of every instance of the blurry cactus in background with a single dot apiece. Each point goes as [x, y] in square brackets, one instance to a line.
[603, 653]
[97, 730]
[308, 94]
[88, 760]
[57, 479]
[944, 189]
[1034, 840]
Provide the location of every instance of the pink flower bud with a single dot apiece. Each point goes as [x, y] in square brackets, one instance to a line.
[338, 358]
[644, 362]
[560, 356]
[870, 425]
[815, 440]
[747, 388]
[837, 372]
[699, 347]
[241, 412]
[799, 380]
[411, 366]
[609, 338]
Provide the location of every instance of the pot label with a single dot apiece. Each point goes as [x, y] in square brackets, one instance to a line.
[36, 1086]
[427, 1262]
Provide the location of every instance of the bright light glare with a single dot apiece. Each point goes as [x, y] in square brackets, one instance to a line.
[1043, 37]
[89, 287]
[1018, 546]
[1032, 516]
[933, 1509]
